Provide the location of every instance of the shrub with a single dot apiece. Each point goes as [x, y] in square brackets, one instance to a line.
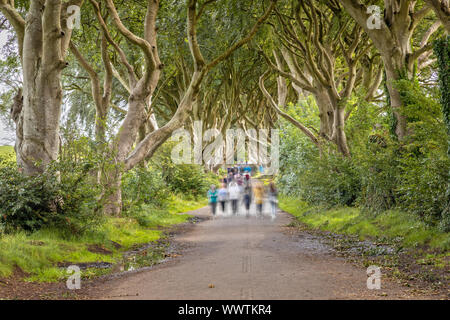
[382, 173]
[143, 186]
[332, 180]
[329, 179]
[189, 179]
[63, 197]
[378, 173]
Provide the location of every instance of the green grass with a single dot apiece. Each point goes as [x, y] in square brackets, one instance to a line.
[180, 204]
[8, 153]
[389, 225]
[39, 253]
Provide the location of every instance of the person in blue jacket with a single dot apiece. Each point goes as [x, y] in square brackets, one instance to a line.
[212, 198]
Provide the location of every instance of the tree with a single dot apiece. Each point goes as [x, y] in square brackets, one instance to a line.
[43, 40]
[322, 49]
[394, 41]
[442, 10]
[442, 49]
[142, 85]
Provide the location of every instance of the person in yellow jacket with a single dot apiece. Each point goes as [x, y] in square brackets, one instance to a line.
[258, 193]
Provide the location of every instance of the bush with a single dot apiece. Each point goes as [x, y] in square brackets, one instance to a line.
[143, 186]
[442, 51]
[332, 180]
[64, 197]
[189, 179]
[378, 173]
[329, 179]
[382, 173]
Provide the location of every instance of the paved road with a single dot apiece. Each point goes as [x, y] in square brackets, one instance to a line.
[254, 258]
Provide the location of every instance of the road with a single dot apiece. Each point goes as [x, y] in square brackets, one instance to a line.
[256, 258]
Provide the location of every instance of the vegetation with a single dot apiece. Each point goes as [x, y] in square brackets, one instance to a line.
[54, 219]
[383, 173]
[38, 254]
[7, 153]
[442, 50]
[404, 228]
[363, 116]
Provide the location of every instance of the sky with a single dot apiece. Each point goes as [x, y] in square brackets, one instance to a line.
[6, 133]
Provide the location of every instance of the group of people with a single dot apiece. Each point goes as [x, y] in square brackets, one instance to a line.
[237, 189]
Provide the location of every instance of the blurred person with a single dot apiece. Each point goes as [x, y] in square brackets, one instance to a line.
[230, 177]
[273, 199]
[233, 193]
[239, 180]
[225, 180]
[212, 199]
[247, 190]
[259, 197]
[223, 196]
[248, 169]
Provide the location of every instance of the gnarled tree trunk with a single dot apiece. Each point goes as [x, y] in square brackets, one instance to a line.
[393, 41]
[43, 39]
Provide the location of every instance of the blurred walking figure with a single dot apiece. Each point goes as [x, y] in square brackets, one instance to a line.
[212, 198]
[248, 169]
[259, 197]
[247, 195]
[223, 196]
[233, 193]
[239, 180]
[230, 177]
[261, 169]
[273, 199]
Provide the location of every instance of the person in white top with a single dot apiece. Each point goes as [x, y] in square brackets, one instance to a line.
[234, 192]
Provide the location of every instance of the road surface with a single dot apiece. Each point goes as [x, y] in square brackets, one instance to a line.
[249, 258]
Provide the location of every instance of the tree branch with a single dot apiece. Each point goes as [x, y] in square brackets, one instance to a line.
[16, 20]
[272, 102]
[246, 39]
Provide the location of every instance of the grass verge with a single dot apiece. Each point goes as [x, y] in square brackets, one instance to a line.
[402, 227]
[420, 257]
[40, 254]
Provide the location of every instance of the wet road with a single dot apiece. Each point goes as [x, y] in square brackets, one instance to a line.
[255, 258]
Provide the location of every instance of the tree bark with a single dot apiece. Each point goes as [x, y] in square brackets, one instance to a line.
[442, 10]
[43, 40]
[393, 41]
[339, 131]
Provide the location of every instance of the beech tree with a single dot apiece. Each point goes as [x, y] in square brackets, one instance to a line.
[43, 39]
[394, 41]
[126, 152]
[442, 10]
[322, 49]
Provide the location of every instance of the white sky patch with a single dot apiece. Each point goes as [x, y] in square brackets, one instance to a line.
[6, 133]
[3, 37]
